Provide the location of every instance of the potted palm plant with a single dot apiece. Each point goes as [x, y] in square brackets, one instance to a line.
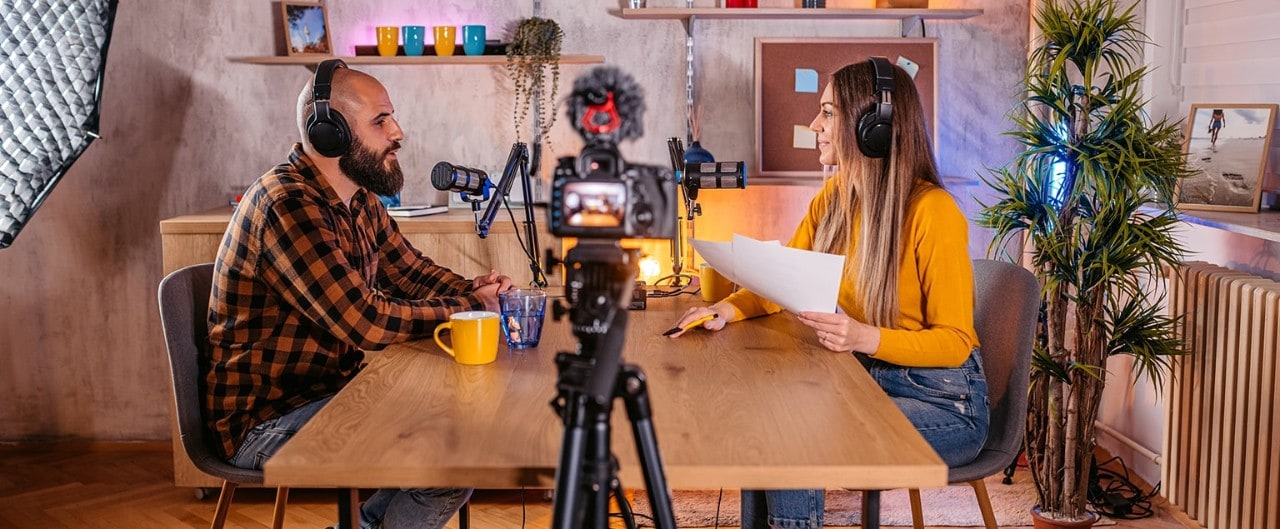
[1092, 197]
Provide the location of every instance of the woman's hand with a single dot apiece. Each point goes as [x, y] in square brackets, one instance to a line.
[696, 313]
[841, 333]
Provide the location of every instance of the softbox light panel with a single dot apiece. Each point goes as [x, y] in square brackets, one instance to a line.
[52, 57]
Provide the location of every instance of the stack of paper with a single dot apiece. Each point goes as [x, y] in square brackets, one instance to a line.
[798, 280]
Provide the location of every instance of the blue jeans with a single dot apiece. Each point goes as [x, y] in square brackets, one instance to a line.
[387, 508]
[947, 405]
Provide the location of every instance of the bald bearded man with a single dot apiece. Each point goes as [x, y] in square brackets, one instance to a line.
[311, 272]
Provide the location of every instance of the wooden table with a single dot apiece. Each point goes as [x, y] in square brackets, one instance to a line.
[757, 405]
[449, 238]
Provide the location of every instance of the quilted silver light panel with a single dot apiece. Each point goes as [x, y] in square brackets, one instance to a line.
[51, 62]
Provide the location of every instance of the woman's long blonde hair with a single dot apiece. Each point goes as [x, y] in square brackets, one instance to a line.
[873, 193]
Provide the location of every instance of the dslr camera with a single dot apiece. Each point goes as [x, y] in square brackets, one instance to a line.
[598, 195]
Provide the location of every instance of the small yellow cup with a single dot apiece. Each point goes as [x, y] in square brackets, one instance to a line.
[446, 39]
[388, 40]
[474, 335]
[715, 287]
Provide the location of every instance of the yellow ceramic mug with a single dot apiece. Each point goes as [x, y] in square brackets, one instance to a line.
[715, 287]
[388, 40]
[446, 39]
[474, 335]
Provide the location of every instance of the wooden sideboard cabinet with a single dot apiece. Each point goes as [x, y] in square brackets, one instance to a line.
[449, 239]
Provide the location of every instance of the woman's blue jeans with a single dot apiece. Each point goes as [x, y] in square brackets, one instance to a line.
[387, 508]
[947, 405]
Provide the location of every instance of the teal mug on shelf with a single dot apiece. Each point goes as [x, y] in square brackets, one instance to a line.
[414, 39]
[473, 39]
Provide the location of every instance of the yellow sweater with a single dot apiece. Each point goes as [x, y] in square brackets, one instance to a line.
[935, 284]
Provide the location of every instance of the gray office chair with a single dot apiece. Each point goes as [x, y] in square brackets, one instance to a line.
[1006, 307]
[184, 311]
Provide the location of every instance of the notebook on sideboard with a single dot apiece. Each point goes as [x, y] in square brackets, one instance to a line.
[418, 210]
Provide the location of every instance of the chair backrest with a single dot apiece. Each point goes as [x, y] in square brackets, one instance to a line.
[1007, 304]
[184, 313]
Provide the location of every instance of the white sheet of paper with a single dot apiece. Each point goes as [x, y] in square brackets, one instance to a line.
[798, 280]
[719, 254]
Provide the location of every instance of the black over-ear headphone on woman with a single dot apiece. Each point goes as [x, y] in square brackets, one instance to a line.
[326, 128]
[875, 129]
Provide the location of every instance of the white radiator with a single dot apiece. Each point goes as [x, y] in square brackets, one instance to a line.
[1222, 447]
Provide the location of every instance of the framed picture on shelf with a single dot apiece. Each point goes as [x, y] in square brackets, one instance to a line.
[790, 74]
[306, 28]
[1226, 147]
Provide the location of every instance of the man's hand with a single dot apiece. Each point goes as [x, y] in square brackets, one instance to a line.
[487, 287]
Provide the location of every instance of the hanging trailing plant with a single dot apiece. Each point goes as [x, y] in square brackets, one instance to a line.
[535, 48]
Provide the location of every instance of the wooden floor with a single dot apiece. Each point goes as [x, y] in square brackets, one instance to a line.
[130, 487]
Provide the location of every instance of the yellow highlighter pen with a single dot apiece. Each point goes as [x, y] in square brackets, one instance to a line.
[691, 324]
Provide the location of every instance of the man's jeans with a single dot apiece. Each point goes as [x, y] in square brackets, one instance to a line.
[947, 405]
[387, 508]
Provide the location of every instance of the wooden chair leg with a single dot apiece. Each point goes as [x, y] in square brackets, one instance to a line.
[277, 516]
[917, 512]
[984, 503]
[224, 504]
[464, 516]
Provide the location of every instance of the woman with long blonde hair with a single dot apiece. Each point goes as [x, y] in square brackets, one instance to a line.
[906, 297]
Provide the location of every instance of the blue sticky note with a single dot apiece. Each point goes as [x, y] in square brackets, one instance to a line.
[806, 81]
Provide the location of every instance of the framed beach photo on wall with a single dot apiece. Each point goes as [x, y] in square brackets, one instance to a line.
[1226, 147]
[306, 28]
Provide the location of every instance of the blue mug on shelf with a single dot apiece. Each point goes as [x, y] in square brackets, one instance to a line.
[414, 39]
[473, 40]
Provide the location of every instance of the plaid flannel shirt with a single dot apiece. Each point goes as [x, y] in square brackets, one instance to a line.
[302, 283]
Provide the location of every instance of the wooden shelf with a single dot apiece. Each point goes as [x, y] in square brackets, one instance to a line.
[655, 13]
[501, 60]
[1263, 225]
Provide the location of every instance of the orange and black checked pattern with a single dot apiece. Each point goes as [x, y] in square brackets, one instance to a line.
[302, 284]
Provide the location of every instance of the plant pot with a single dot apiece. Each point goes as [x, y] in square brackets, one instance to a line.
[1039, 521]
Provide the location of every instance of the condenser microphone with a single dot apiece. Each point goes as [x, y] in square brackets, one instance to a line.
[449, 177]
[715, 175]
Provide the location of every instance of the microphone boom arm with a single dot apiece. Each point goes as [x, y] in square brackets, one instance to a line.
[518, 160]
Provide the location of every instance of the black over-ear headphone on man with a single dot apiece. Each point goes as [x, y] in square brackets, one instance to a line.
[875, 129]
[326, 128]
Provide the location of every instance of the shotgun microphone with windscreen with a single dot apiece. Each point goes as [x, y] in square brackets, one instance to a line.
[470, 182]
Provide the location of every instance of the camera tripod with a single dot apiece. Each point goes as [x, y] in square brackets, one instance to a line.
[599, 278]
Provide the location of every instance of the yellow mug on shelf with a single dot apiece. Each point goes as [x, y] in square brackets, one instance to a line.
[474, 336]
[388, 40]
[446, 40]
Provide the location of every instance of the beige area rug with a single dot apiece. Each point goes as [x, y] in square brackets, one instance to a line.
[948, 506]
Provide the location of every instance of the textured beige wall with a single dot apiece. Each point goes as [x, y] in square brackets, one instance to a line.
[81, 352]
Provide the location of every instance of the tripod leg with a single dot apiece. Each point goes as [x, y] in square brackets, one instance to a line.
[624, 506]
[567, 510]
[635, 393]
[599, 467]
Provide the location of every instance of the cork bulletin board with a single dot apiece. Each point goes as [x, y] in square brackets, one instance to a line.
[790, 74]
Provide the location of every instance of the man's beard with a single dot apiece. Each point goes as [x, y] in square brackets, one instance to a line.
[367, 170]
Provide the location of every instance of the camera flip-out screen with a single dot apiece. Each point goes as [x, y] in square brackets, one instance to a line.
[594, 204]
